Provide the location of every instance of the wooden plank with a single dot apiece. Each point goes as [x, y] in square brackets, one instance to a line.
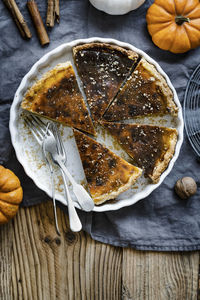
[199, 281]
[72, 266]
[6, 238]
[159, 276]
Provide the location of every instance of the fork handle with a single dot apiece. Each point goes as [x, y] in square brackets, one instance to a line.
[66, 172]
[54, 203]
[84, 199]
[74, 221]
[52, 188]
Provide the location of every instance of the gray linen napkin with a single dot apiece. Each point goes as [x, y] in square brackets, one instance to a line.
[161, 221]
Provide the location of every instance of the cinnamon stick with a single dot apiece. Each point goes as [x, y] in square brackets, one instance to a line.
[57, 11]
[53, 12]
[37, 20]
[50, 13]
[18, 18]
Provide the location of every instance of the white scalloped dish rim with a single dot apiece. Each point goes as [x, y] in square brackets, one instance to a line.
[14, 115]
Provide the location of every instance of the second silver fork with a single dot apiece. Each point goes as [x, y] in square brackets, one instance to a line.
[42, 133]
[38, 133]
[50, 145]
[84, 200]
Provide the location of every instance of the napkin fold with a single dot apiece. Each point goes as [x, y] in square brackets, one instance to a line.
[161, 221]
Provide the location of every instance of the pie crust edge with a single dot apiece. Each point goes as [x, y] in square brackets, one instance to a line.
[162, 83]
[130, 53]
[160, 167]
[26, 104]
[114, 194]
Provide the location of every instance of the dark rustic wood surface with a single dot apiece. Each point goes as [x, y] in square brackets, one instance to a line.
[37, 264]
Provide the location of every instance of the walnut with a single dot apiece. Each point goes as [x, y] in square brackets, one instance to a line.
[185, 187]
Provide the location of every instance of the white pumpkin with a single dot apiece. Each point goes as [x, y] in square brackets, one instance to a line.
[117, 7]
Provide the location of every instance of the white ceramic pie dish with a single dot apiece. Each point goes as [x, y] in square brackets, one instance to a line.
[29, 153]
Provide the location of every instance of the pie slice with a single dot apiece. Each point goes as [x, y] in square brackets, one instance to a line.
[102, 69]
[107, 174]
[151, 147]
[145, 93]
[57, 96]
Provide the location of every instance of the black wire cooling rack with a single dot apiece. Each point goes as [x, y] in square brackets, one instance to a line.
[192, 110]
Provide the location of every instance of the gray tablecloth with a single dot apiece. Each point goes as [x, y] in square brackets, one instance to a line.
[161, 221]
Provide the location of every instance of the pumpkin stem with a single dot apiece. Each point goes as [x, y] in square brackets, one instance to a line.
[180, 20]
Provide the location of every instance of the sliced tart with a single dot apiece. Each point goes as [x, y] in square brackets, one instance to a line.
[107, 174]
[102, 69]
[146, 92]
[57, 96]
[151, 147]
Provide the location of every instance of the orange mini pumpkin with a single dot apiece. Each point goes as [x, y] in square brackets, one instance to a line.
[11, 194]
[174, 25]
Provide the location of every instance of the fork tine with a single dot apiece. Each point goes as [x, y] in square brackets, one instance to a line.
[39, 124]
[34, 124]
[58, 139]
[42, 129]
[34, 130]
[45, 128]
[42, 123]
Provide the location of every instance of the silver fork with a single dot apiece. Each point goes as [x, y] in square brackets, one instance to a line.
[44, 134]
[50, 145]
[34, 127]
[85, 201]
[83, 198]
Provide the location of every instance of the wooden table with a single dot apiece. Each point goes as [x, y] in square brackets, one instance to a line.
[37, 264]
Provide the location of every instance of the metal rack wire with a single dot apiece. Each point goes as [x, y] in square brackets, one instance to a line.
[192, 110]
